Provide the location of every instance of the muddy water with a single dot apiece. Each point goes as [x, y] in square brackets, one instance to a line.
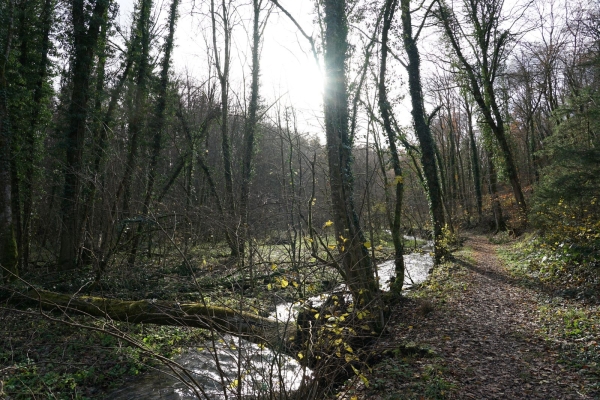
[262, 371]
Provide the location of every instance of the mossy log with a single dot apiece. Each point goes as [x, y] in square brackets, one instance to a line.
[222, 319]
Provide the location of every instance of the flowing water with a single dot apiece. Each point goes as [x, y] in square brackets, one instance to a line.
[262, 371]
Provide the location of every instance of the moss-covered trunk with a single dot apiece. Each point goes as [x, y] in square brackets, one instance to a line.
[222, 319]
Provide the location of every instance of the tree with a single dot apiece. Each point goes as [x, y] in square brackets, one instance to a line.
[251, 123]
[8, 244]
[490, 45]
[223, 64]
[86, 29]
[157, 126]
[422, 128]
[357, 267]
[385, 111]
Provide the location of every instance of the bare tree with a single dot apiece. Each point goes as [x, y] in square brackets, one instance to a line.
[481, 30]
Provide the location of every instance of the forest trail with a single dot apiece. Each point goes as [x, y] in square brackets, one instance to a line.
[487, 336]
[484, 334]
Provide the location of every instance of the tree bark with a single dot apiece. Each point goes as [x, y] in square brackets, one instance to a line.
[356, 263]
[474, 160]
[422, 130]
[385, 111]
[223, 319]
[8, 243]
[84, 43]
[250, 127]
[156, 128]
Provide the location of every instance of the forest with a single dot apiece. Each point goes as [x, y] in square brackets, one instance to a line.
[151, 212]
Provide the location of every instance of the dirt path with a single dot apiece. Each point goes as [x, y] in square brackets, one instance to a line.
[492, 333]
[484, 337]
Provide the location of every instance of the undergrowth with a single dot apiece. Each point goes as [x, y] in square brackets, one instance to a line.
[568, 302]
[48, 359]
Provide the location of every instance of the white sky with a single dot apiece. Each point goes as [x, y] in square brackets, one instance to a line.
[288, 70]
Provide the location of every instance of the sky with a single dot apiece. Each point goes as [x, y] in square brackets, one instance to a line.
[288, 69]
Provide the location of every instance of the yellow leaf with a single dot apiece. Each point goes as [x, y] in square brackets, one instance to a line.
[317, 316]
[234, 384]
[295, 284]
[331, 246]
[364, 379]
[354, 398]
[203, 261]
[269, 286]
[300, 356]
[273, 267]
[368, 245]
[342, 248]
[284, 283]
[327, 224]
[398, 180]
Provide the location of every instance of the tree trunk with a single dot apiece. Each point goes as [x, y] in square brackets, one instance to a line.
[136, 119]
[385, 110]
[499, 223]
[422, 130]
[250, 128]
[8, 243]
[474, 160]
[223, 319]
[38, 96]
[85, 44]
[356, 263]
[222, 67]
[157, 126]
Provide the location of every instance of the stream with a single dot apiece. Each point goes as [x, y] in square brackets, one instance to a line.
[262, 371]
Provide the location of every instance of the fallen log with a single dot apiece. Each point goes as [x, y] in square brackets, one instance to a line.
[249, 326]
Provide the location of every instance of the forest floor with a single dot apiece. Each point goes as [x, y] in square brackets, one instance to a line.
[477, 330]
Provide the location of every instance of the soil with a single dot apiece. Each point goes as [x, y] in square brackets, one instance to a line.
[483, 333]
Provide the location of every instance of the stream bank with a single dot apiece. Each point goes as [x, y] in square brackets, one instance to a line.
[237, 368]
